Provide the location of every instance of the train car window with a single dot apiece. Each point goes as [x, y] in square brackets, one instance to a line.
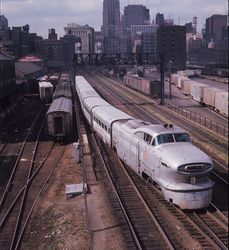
[147, 138]
[182, 137]
[165, 138]
[105, 127]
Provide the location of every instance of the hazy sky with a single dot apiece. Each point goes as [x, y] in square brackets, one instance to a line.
[44, 14]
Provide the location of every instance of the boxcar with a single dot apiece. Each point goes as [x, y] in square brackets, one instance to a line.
[146, 86]
[221, 102]
[197, 91]
[59, 118]
[209, 96]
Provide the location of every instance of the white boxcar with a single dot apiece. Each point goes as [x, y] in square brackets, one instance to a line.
[174, 79]
[209, 96]
[197, 91]
[46, 91]
[221, 102]
[187, 86]
[181, 80]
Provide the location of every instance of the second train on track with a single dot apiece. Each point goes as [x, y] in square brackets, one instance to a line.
[162, 154]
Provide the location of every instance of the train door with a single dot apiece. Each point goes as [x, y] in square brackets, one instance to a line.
[135, 155]
[58, 125]
[148, 160]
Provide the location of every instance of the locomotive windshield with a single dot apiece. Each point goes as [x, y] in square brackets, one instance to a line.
[167, 138]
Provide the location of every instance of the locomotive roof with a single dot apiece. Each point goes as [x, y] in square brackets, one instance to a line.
[160, 129]
[152, 129]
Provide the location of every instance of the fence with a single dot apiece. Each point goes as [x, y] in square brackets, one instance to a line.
[202, 120]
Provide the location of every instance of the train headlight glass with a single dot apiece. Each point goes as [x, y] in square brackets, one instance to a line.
[193, 180]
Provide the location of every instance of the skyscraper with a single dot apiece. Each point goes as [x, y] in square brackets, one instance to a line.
[111, 18]
[215, 26]
[3, 25]
[135, 15]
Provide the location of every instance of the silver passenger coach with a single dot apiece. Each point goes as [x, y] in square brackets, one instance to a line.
[59, 118]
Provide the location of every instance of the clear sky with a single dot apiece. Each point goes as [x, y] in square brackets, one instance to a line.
[44, 14]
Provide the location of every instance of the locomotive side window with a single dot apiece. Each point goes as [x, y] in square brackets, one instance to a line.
[147, 138]
[182, 137]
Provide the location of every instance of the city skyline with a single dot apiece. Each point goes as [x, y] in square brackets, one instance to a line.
[42, 15]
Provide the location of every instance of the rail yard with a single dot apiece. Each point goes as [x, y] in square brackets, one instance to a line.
[119, 206]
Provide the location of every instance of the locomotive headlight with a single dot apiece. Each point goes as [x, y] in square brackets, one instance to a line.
[193, 180]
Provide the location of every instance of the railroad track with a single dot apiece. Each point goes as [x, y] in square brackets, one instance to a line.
[140, 228]
[214, 224]
[23, 186]
[13, 132]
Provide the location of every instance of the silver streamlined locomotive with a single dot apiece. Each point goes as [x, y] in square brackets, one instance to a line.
[160, 153]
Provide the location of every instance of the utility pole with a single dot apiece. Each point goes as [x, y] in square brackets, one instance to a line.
[162, 80]
[170, 85]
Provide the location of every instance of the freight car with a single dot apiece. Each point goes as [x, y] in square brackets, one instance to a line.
[146, 86]
[59, 118]
[46, 91]
[204, 94]
[162, 154]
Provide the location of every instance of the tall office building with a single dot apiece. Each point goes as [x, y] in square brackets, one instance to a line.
[3, 28]
[215, 26]
[194, 24]
[3, 25]
[111, 18]
[135, 15]
[86, 34]
[171, 41]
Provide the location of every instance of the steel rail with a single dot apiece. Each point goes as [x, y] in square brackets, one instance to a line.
[208, 229]
[17, 161]
[26, 187]
[163, 233]
[22, 189]
[136, 240]
[17, 245]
